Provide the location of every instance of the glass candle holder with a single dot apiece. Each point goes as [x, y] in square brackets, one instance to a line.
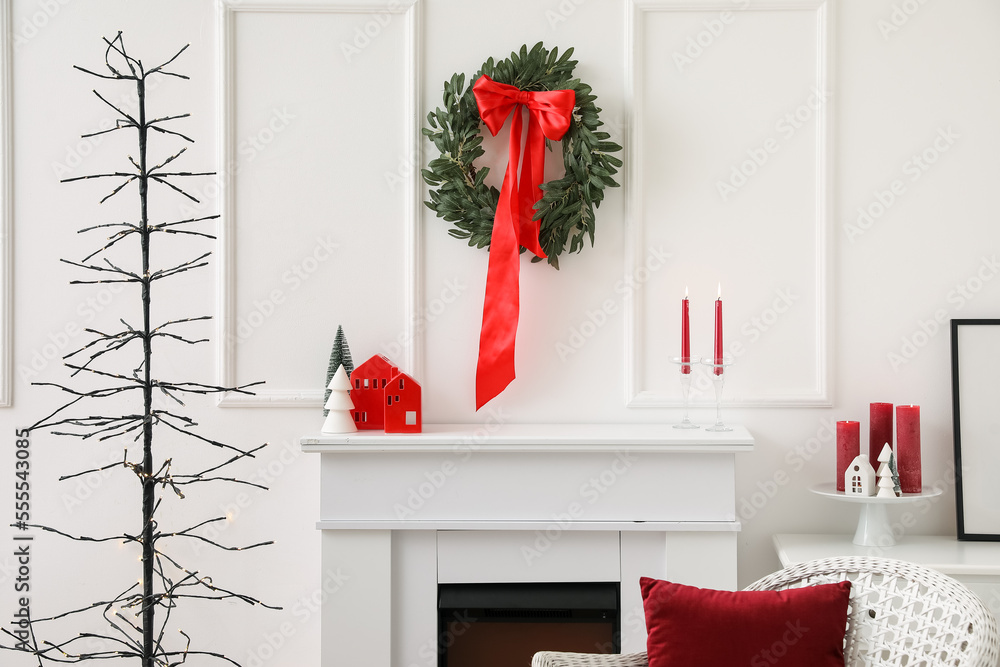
[685, 366]
[718, 374]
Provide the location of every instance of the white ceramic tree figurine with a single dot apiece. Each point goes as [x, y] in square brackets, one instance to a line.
[885, 488]
[339, 419]
[888, 481]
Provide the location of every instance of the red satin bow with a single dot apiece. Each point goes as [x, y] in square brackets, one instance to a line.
[549, 115]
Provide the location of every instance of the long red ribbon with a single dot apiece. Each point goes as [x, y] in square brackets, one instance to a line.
[549, 115]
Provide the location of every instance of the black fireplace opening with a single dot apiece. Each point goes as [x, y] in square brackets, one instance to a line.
[503, 625]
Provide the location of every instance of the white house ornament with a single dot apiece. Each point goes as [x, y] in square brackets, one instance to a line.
[859, 479]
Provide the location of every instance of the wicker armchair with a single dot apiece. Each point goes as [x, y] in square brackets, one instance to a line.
[900, 614]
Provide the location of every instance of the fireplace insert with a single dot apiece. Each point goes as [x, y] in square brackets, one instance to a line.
[503, 625]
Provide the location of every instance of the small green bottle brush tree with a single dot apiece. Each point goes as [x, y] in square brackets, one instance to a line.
[120, 407]
[340, 355]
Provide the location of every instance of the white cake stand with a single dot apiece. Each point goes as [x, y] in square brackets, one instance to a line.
[874, 528]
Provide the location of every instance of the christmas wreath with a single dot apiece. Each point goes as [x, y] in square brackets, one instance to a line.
[526, 213]
[458, 190]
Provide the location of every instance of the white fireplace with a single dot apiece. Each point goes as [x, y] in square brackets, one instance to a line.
[503, 503]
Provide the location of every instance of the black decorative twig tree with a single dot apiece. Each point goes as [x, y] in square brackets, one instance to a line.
[137, 617]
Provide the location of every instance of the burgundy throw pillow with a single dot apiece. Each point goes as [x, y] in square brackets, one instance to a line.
[798, 627]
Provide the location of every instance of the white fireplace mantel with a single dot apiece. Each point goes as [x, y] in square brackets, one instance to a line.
[401, 513]
[535, 438]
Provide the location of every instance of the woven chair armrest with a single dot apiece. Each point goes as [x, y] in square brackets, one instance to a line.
[557, 659]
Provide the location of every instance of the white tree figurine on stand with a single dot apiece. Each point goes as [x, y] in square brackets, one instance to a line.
[888, 480]
[339, 419]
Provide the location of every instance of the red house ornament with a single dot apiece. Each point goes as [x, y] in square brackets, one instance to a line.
[402, 405]
[384, 398]
[368, 383]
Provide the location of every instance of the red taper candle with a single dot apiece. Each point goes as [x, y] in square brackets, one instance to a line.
[685, 333]
[880, 429]
[848, 448]
[718, 333]
[908, 448]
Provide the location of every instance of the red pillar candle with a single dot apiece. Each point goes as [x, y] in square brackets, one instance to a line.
[848, 447]
[718, 333]
[880, 429]
[685, 333]
[908, 447]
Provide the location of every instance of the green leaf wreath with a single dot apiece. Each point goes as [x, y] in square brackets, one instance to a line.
[459, 193]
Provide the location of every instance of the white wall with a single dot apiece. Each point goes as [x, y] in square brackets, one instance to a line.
[323, 175]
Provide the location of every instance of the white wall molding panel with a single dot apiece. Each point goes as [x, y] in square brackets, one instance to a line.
[730, 182]
[6, 211]
[307, 183]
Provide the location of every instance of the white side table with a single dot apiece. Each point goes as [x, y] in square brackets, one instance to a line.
[975, 564]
